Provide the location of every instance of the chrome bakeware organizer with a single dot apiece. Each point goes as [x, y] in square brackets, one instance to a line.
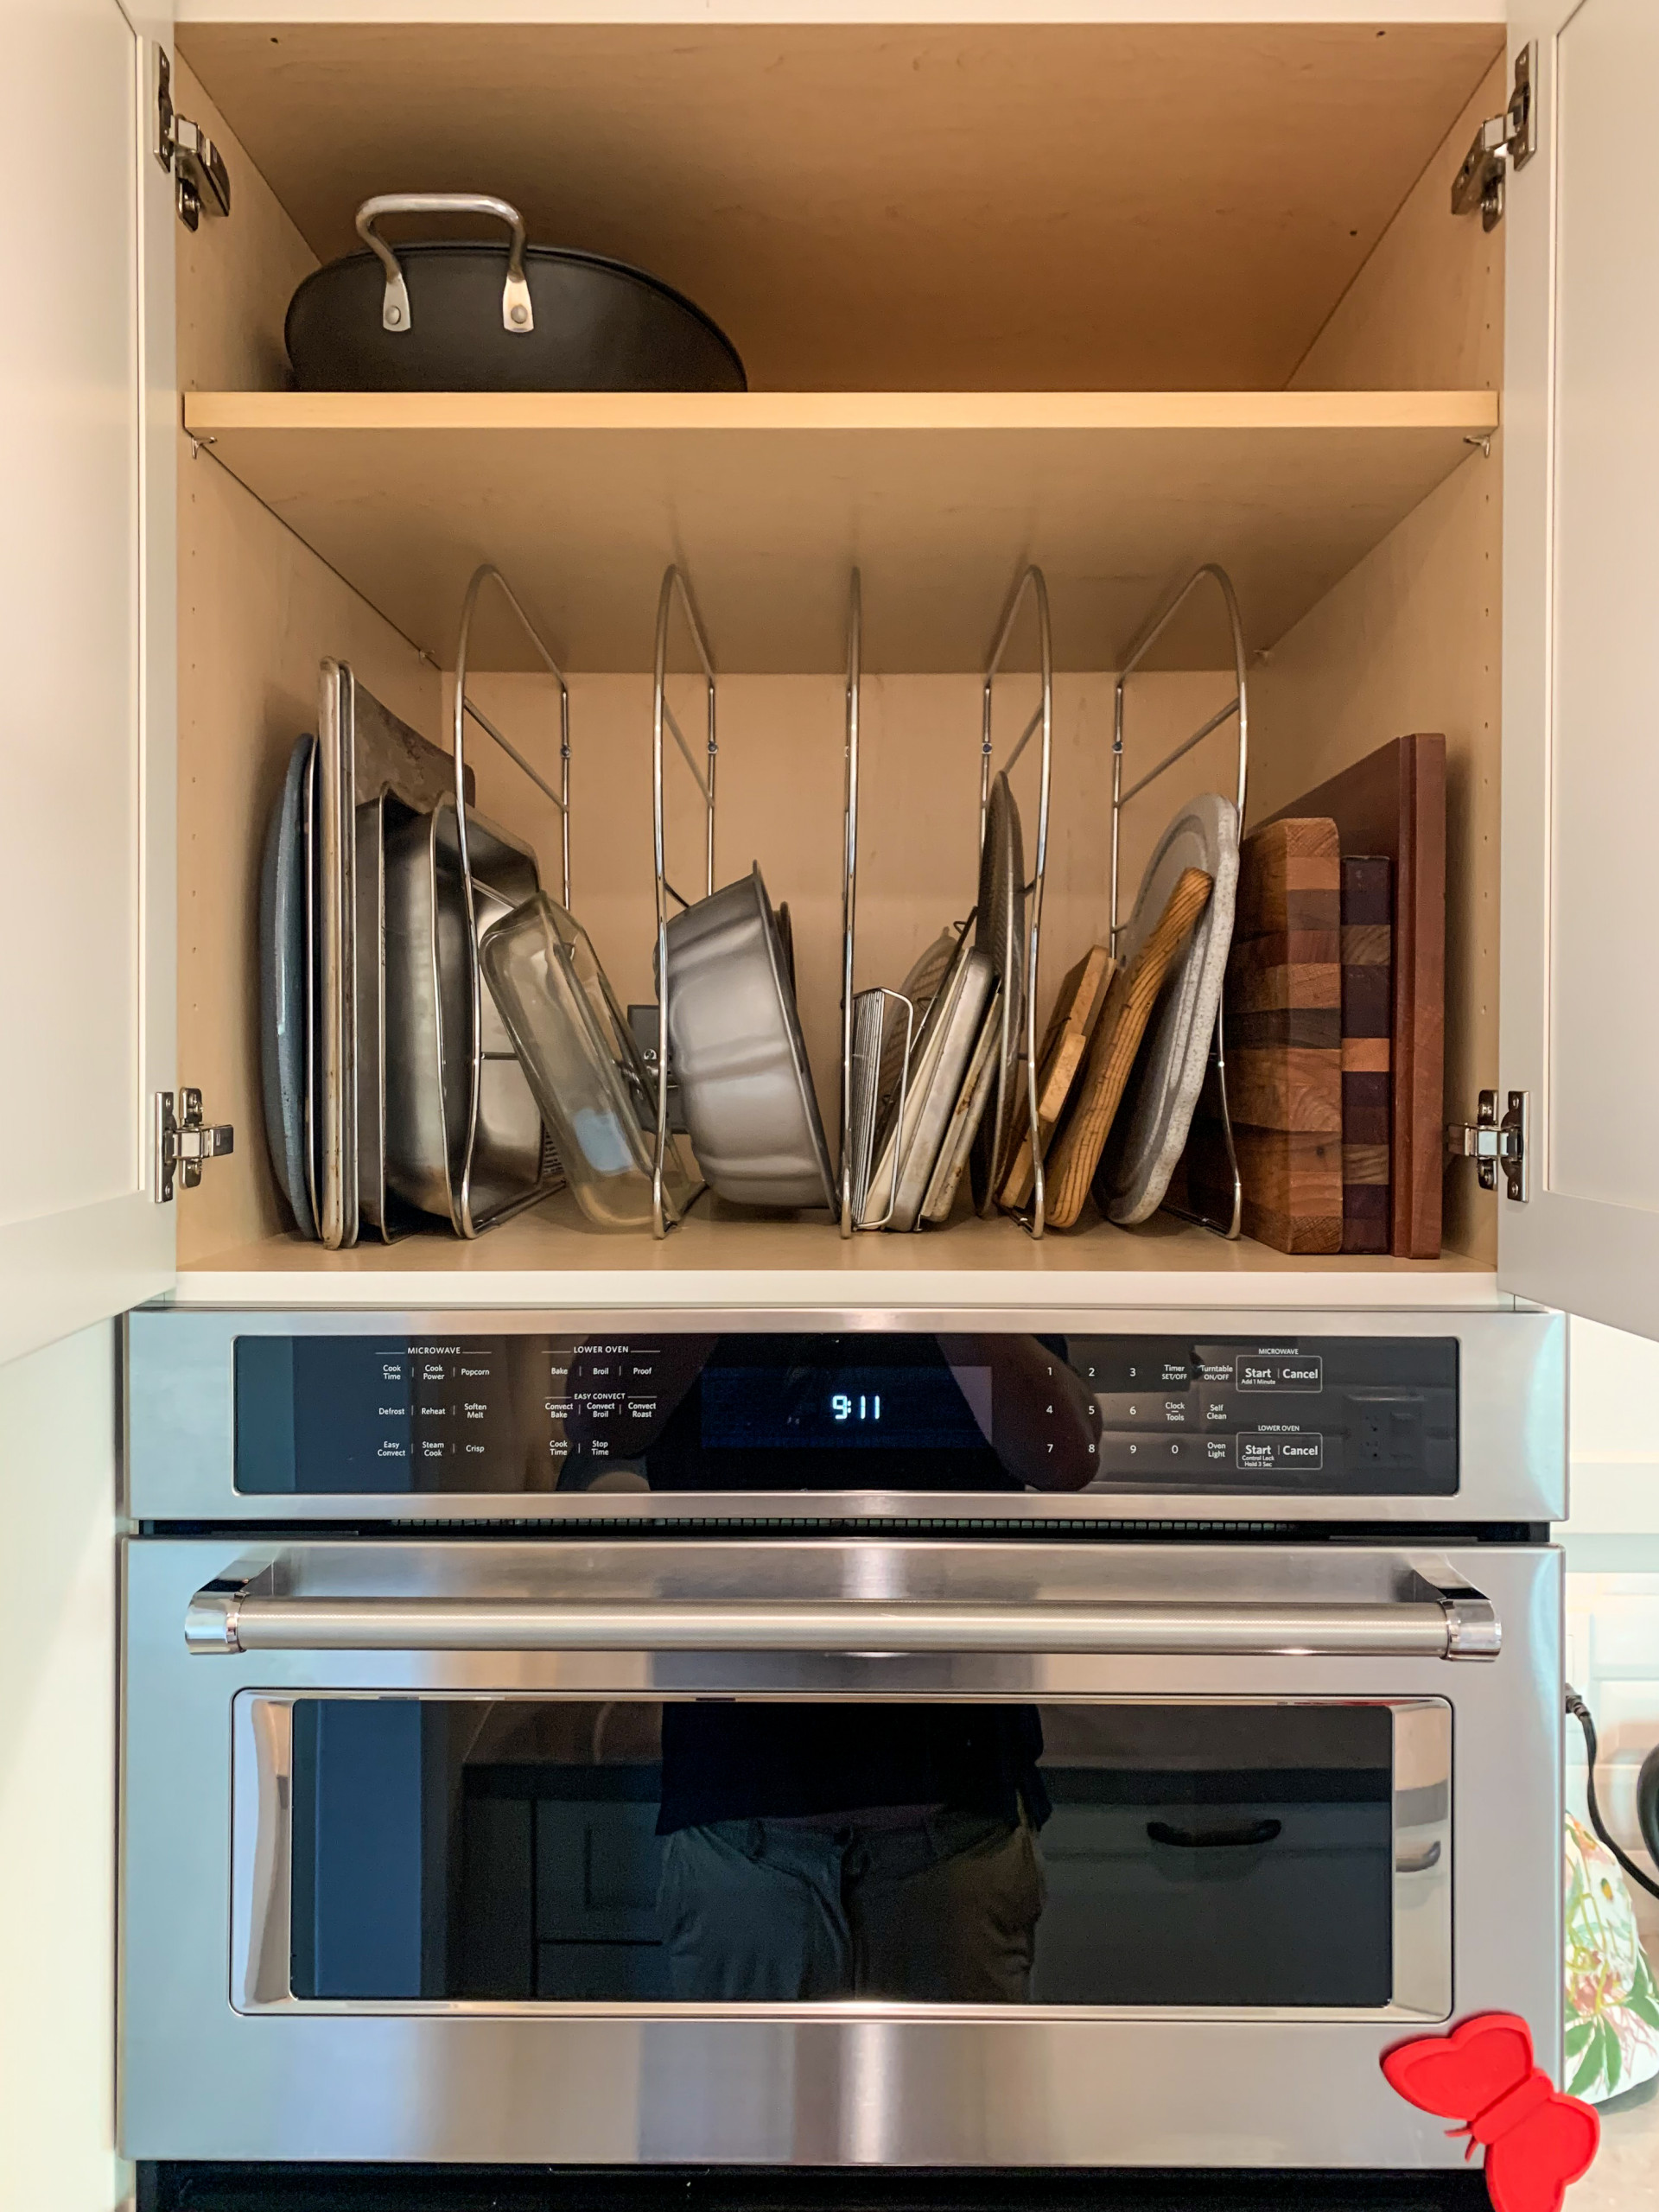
[1226, 1216]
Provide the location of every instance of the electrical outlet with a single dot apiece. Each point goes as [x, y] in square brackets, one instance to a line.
[1388, 1434]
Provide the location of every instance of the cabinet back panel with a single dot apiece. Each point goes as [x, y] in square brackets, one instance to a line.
[878, 207]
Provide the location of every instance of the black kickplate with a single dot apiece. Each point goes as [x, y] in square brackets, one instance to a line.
[191, 2187]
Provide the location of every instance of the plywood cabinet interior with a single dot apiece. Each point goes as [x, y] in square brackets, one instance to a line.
[971, 345]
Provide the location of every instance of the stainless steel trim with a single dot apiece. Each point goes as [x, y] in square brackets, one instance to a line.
[1427, 1629]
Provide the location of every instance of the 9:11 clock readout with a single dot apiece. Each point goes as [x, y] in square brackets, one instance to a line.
[882, 1408]
[841, 1407]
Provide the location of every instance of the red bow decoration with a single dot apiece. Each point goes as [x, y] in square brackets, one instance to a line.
[1536, 2140]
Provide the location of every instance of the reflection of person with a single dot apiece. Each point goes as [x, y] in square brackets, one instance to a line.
[829, 1851]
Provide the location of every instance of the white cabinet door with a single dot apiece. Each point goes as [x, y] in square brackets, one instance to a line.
[1579, 1010]
[87, 643]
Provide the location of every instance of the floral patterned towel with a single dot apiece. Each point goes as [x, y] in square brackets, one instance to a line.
[1613, 2006]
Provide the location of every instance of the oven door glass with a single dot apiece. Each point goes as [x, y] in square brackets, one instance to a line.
[413, 1851]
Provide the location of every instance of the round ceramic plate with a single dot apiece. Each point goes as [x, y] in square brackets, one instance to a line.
[281, 985]
[1000, 931]
[1152, 1123]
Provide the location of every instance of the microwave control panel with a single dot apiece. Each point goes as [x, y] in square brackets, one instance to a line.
[893, 1412]
[1337, 1416]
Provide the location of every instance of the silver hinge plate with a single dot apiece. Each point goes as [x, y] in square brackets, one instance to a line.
[189, 154]
[1503, 142]
[1491, 1143]
[184, 1141]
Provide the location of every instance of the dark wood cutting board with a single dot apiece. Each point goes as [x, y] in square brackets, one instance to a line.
[1393, 802]
[1283, 1030]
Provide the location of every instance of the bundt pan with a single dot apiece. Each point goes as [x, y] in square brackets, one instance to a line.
[452, 315]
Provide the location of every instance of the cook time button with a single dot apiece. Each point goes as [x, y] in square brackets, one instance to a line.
[1272, 1452]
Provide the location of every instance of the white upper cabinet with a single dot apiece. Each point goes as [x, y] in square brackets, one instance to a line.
[1580, 1008]
[87, 642]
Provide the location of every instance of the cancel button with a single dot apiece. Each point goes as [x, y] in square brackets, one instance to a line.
[1274, 1451]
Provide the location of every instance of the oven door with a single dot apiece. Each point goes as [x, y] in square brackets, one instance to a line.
[907, 1853]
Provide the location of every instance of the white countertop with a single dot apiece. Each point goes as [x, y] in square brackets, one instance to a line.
[1625, 2177]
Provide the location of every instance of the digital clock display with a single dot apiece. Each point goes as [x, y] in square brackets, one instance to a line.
[847, 1409]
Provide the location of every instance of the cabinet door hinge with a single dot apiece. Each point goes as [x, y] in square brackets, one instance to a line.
[1493, 1144]
[1503, 142]
[189, 154]
[184, 1141]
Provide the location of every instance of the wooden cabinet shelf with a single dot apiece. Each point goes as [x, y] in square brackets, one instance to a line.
[552, 1257]
[770, 499]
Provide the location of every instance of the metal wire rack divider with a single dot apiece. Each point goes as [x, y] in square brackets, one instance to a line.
[1031, 582]
[676, 590]
[849, 927]
[1228, 1219]
[465, 710]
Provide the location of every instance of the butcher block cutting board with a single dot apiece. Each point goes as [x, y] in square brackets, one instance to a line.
[1130, 998]
[1394, 802]
[1284, 1035]
[1059, 1059]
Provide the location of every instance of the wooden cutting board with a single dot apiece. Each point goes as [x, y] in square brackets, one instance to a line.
[1129, 1001]
[1366, 1028]
[1393, 802]
[1283, 1029]
[1059, 1059]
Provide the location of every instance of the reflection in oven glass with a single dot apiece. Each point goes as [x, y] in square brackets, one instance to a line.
[718, 1851]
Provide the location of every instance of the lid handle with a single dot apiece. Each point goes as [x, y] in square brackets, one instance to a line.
[517, 317]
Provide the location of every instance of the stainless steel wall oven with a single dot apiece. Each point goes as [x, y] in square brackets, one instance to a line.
[832, 1739]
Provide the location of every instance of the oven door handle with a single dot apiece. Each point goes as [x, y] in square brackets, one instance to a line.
[1458, 1624]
